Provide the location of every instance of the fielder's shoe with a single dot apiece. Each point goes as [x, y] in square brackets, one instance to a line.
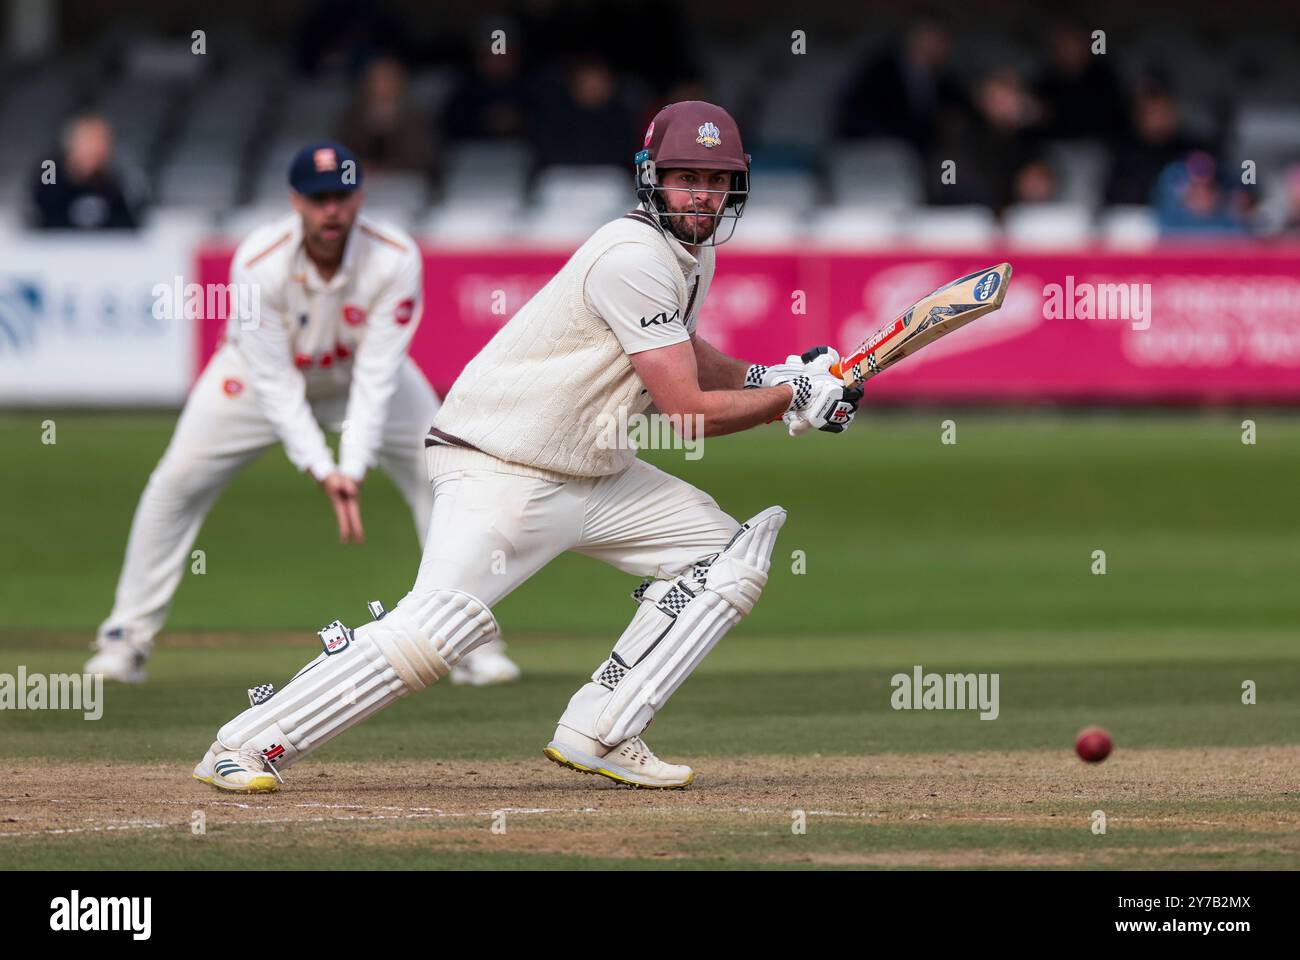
[238, 771]
[116, 659]
[631, 763]
[485, 666]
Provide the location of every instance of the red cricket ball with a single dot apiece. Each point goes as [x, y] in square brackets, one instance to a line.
[1093, 744]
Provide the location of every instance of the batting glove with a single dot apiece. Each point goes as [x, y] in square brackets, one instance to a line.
[821, 402]
[813, 361]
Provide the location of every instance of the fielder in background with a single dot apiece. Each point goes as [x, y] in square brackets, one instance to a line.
[524, 469]
[338, 300]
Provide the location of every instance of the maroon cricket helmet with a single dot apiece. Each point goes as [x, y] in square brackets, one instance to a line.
[696, 135]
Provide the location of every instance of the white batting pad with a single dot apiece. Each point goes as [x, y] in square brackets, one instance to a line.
[675, 627]
[360, 672]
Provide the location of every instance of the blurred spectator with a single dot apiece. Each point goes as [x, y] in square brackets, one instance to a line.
[583, 119]
[381, 124]
[553, 31]
[1156, 141]
[1035, 182]
[671, 63]
[491, 101]
[1190, 198]
[901, 92]
[89, 192]
[345, 35]
[997, 150]
[1081, 96]
[656, 50]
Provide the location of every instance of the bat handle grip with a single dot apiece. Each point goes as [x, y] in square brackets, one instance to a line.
[836, 370]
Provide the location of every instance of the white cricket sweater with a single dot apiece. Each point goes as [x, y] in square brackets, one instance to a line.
[540, 392]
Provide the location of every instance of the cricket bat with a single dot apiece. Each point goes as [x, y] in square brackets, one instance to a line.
[953, 305]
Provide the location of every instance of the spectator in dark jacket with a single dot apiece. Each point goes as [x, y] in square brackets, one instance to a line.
[902, 92]
[491, 101]
[997, 150]
[1157, 140]
[387, 131]
[84, 190]
[583, 119]
[1080, 94]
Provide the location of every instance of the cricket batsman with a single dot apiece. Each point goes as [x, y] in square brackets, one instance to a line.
[522, 471]
[338, 299]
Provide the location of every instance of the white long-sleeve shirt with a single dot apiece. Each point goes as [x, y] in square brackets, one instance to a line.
[311, 338]
[542, 392]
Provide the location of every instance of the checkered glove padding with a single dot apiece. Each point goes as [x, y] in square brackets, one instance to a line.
[812, 361]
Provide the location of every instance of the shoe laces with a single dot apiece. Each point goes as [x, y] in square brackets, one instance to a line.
[636, 745]
[252, 757]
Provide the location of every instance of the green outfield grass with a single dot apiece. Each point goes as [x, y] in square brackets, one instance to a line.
[755, 694]
[974, 557]
[900, 533]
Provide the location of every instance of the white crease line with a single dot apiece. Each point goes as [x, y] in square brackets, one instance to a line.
[414, 813]
[419, 813]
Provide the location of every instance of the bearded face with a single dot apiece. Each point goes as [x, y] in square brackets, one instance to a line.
[693, 200]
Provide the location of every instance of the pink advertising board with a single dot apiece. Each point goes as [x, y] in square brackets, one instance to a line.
[1193, 325]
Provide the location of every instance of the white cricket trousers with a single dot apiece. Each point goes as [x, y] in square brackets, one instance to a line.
[220, 431]
[493, 528]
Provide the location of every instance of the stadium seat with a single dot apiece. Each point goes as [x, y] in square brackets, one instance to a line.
[1082, 166]
[407, 191]
[185, 225]
[1048, 225]
[879, 173]
[312, 109]
[731, 72]
[271, 183]
[792, 190]
[137, 110]
[158, 59]
[1129, 228]
[209, 186]
[490, 173]
[429, 89]
[948, 228]
[595, 192]
[238, 223]
[197, 148]
[556, 226]
[1267, 130]
[400, 215]
[866, 228]
[773, 227]
[468, 224]
[795, 109]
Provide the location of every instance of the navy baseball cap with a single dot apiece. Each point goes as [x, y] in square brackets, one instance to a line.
[325, 167]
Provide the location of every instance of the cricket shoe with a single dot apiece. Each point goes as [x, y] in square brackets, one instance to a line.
[485, 666]
[631, 763]
[237, 771]
[116, 659]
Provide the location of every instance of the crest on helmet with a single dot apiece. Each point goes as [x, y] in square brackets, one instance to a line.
[709, 135]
